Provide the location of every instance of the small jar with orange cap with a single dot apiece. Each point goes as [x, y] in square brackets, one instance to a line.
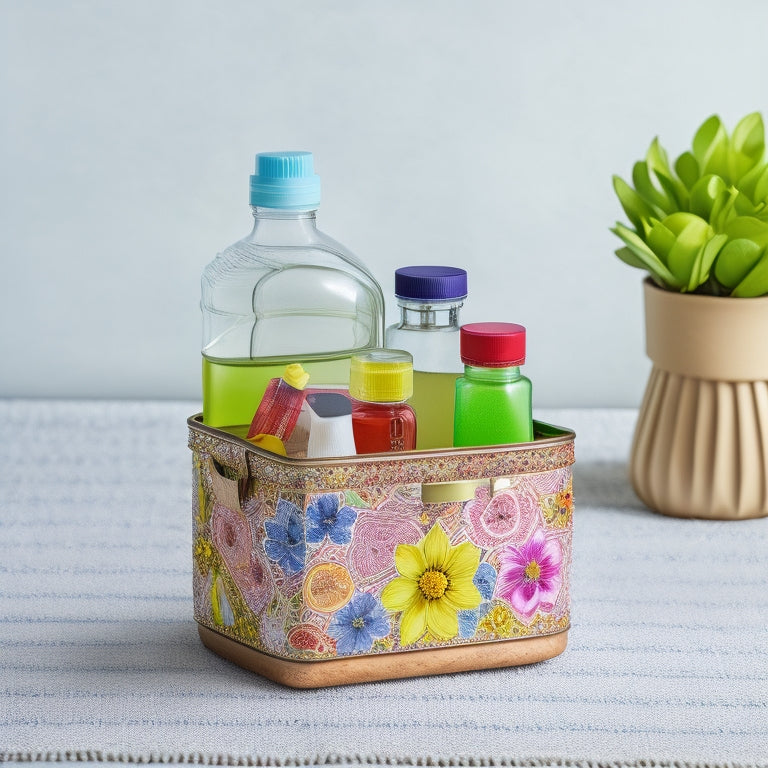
[493, 399]
[380, 383]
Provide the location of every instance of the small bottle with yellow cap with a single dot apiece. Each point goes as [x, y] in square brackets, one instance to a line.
[380, 383]
[279, 409]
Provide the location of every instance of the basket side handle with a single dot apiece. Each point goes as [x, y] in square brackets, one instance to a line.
[459, 490]
[455, 490]
[226, 490]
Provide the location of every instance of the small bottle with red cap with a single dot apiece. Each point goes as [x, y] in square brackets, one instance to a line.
[493, 399]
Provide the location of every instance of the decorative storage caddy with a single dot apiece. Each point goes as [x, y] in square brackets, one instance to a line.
[325, 572]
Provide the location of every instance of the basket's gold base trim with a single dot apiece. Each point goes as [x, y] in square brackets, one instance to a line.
[318, 674]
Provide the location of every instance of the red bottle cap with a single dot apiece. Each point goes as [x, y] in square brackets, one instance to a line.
[492, 345]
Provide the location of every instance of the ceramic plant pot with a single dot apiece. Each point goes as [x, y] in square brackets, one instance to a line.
[701, 442]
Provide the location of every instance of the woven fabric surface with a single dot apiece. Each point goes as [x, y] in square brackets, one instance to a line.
[667, 658]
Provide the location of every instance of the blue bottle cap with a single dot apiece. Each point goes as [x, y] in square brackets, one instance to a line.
[285, 180]
[430, 283]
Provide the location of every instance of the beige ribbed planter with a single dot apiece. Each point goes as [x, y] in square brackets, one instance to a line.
[701, 442]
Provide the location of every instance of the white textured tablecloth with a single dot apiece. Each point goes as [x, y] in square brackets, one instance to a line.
[100, 660]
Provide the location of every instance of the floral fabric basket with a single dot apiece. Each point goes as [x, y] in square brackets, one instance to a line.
[324, 572]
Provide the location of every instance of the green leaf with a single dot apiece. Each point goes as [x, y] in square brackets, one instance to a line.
[718, 161]
[749, 182]
[658, 163]
[629, 257]
[661, 240]
[747, 146]
[745, 207]
[694, 235]
[704, 194]
[634, 206]
[736, 260]
[753, 194]
[353, 500]
[724, 208]
[710, 147]
[693, 278]
[687, 168]
[761, 187]
[756, 282]
[703, 262]
[657, 158]
[749, 137]
[680, 221]
[647, 257]
[676, 191]
[645, 187]
[748, 227]
[710, 132]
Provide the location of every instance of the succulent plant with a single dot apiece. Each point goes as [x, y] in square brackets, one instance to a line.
[701, 226]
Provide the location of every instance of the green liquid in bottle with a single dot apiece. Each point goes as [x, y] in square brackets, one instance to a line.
[232, 389]
[433, 400]
[493, 407]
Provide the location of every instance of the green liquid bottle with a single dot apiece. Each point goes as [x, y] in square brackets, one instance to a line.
[493, 399]
[286, 293]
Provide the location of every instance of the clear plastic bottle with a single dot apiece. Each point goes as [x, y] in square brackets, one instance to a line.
[286, 293]
[493, 399]
[380, 382]
[430, 298]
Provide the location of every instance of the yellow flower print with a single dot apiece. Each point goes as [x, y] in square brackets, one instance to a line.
[203, 554]
[502, 623]
[435, 582]
[498, 620]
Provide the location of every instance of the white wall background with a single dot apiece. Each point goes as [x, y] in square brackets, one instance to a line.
[479, 133]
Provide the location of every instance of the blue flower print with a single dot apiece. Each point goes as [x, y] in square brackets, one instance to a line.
[468, 620]
[285, 537]
[485, 580]
[325, 517]
[356, 625]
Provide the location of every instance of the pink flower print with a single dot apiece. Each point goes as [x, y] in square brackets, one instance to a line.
[530, 576]
[249, 570]
[509, 517]
[371, 555]
[550, 482]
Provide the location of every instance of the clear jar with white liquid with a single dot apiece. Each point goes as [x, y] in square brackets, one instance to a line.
[429, 298]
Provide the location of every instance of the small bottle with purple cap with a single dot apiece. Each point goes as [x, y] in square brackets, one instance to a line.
[429, 298]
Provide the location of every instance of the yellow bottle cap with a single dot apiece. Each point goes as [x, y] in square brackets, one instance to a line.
[269, 443]
[381, 376]
[295, 376]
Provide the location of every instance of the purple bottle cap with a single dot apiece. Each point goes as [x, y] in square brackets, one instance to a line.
[430, 283]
